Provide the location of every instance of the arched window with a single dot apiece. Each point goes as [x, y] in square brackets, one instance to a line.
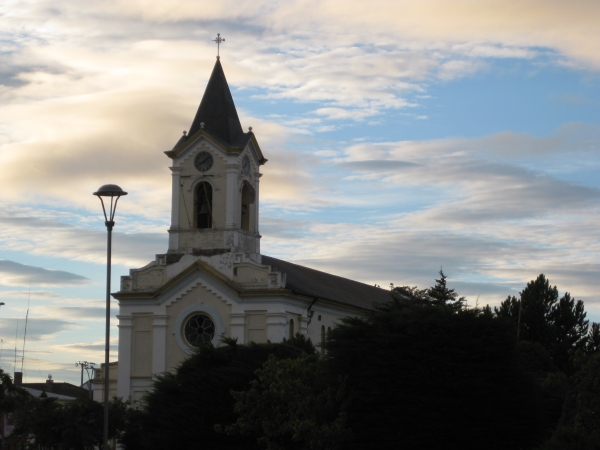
[248, 194]
[291, 328]
[204, 216]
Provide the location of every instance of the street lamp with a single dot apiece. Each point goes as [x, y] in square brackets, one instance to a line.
[114, 192]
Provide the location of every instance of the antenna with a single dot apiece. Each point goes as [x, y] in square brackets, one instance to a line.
[16, 337]
[25, 334]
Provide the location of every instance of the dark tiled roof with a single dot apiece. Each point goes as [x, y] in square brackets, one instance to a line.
[218, 112]
[67, 389]
[314, 283]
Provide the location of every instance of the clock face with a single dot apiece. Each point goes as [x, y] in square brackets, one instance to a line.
[203, 161]
[246, 165]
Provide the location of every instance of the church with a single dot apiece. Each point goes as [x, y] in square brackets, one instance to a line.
[213, 281]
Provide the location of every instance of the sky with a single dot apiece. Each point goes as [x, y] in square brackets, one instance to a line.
[401, 136]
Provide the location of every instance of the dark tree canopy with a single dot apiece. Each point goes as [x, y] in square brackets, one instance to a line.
[11, 396]
[293, 405]
[77, 425]
[593, 341]
[559, 325]
[183, 408]
[441, 294]
[430, 377]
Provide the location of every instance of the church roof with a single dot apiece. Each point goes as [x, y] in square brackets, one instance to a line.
[325, 286]
[217, 112]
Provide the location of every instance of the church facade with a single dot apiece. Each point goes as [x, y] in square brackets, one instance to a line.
[213, 280]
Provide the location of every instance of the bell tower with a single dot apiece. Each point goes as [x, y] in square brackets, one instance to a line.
[215, 173]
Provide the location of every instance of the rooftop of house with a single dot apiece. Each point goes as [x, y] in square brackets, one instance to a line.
[55, 389]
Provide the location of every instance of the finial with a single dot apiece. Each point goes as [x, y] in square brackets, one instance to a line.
[249, 128]
[202, 125]
[184, 132]
[218, 40]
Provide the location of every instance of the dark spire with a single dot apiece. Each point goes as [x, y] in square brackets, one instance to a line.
[217, 110]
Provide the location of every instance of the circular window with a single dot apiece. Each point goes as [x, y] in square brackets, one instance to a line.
[199, 329]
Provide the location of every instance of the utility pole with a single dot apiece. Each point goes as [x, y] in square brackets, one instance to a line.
[84, 365]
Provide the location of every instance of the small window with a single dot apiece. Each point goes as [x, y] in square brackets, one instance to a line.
[291, 327]
[204, 215]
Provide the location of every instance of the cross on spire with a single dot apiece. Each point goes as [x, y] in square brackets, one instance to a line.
[218, 40]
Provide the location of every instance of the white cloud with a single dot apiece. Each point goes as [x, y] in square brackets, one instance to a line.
[15, 274]
[37, 328]
[39, 232]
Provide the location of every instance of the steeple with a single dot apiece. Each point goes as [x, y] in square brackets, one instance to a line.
[217, 110]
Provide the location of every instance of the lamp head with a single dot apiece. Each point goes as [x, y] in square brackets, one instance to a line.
[114, 192]
[110, 190]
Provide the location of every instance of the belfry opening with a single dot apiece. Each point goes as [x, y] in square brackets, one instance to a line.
[204, 216]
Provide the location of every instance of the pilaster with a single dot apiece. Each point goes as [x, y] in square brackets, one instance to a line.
[124, 367]
[159, 343]
[237, 325]
[277, 326]
[175, 201]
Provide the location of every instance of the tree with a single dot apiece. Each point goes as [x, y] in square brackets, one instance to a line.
[537, 300]
[439, 294]
[593, 341]
[11, 396]
[587, 419]
[559, 325]
[43, 420]
[442, 295]
[580, 426]
[292, 405]
[431, 377]
[183, 407]
[568, 330]
[76, 425]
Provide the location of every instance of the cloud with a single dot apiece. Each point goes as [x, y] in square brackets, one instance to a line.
[491, 264]
[480, 179]
[31, 294]
[107, 103]
[375, 165]
[81, 312]
[15, 274]
[342, 114]
[37, 329]
[572, 138]
[87, 348]
[69, 236]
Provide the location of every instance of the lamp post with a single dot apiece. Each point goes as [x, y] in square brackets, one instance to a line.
[114, 192]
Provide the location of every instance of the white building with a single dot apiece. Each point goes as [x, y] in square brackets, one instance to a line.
[213, 280]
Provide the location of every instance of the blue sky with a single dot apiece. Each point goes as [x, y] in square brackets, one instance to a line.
[401, 136]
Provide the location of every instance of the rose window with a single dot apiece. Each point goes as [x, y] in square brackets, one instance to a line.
[199, 329]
